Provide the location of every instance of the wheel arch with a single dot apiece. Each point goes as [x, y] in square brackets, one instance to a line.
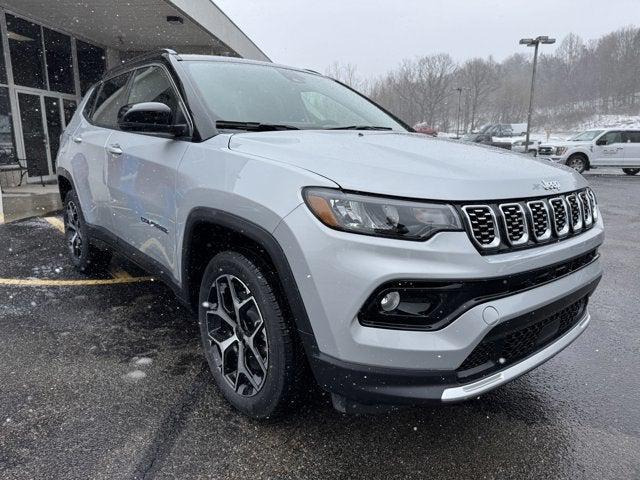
[65, 182]
[209, 231]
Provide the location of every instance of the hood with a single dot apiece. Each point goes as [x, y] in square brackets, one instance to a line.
[409, 165]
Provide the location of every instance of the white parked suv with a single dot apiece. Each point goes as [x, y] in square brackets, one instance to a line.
[610, 147]
[314, 235]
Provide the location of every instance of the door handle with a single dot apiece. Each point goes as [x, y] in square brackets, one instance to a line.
[77, 139]
[114, 149]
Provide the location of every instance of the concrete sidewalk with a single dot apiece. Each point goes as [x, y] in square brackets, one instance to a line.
[28, 201]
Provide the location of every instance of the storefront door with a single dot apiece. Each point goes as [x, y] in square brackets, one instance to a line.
[42, 118]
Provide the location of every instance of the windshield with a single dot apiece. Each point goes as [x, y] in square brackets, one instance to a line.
[586, 136]
[241, 92]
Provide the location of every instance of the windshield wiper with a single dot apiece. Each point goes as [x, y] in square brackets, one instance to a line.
[360, 127]
[253, 126]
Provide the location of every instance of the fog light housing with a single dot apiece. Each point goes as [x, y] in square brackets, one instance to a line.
[390, 301]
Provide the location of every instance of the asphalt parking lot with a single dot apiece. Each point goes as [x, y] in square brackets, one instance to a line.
[106, 380]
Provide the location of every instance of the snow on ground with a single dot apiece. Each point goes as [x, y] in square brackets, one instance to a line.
[609, 121]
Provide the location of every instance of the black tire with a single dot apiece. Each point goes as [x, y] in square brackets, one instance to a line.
[631, 171]
[272, 345]
[85, 256]
[578, 162]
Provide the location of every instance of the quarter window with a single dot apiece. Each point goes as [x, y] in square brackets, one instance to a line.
[111, 98]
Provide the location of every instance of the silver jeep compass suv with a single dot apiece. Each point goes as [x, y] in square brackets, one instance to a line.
[317, 236]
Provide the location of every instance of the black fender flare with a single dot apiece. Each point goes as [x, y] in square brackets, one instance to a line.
[266, 240]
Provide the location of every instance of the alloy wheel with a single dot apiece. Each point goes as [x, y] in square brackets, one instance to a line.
[237, 335]
[577, 163]
[74, 241]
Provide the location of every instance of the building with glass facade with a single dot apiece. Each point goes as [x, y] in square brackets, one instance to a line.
[54, 50]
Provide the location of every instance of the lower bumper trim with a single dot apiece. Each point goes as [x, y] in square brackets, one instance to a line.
[472, 389]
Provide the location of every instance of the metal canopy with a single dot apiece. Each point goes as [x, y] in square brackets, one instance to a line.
[142, 25]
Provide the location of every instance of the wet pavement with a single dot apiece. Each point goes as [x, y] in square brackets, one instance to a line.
[107, 381]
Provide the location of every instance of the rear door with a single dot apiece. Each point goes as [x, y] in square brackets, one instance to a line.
[608, 150]
[87, 149]
[141, 172]
[632, 148]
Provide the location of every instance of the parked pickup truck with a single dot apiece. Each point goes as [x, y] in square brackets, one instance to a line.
[606, 147]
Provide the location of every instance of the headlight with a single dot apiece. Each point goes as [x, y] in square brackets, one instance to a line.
[560, 150]
[379, 216]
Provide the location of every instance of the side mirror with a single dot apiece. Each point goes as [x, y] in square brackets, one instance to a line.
[149, 117]
[601, 141]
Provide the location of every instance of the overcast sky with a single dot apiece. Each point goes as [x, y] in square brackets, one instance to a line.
[376, 35]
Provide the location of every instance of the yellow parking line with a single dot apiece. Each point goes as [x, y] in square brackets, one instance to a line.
[118, 274]
[56, 222]
[36, 282]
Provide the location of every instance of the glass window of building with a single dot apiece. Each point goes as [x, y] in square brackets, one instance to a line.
[69, 109]
[27, 56]
[91, 64]
[7, 145]
[3, 69]
[59, 62]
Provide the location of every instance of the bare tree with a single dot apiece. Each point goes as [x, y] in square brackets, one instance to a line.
[479, 78]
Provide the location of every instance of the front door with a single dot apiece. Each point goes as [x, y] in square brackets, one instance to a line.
[608, 150]
[141, 174]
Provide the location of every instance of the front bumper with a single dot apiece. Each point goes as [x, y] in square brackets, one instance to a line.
[361, 385]
[336, 272]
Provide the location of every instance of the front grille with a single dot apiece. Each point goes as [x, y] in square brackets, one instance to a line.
[483, 225]
[500, 227]
[517, 339]
[545, 150]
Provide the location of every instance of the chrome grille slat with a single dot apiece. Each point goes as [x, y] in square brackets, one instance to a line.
[575, 211]
[594, 205]
[540, 221]
[560, 214]
[483, 225]
[585, 202]
[515, 223]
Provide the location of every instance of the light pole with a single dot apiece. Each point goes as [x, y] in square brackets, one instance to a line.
[533, 42]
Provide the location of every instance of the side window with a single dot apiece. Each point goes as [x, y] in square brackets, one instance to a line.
[612, 137]
[111, 98]
[632, 137]
[151, 84]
